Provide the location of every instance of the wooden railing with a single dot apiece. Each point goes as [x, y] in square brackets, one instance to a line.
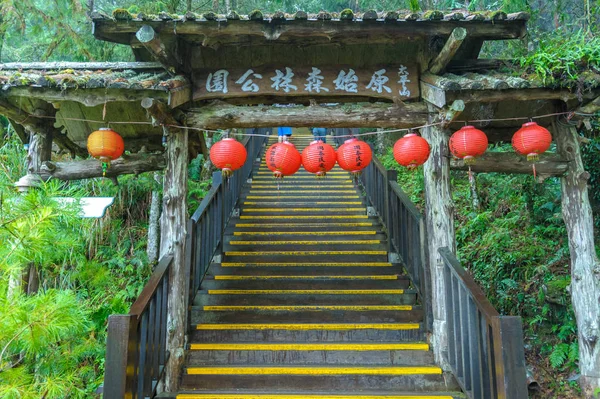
[485, 349]
[404, 225]
[136, 352]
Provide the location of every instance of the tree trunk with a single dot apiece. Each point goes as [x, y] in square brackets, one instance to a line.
[173, 238]
[227, 6]
[585, 268]
[439, 218]
[215, 6]
[154, 224]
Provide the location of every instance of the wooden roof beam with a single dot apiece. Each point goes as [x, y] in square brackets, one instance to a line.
[39, 125]
[549, 165]
[220, 115]
[452, 45]
[91, 168]
[331, 31]
[150, 39]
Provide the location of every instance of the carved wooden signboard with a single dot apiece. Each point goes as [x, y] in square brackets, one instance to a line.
[400, 81]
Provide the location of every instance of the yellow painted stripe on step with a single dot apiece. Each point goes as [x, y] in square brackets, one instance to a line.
[306, 308]
[300, 253]
[303, 396]
[307, 264]
[364, 224]
[304, 233]
[304, 216]
[286, 277]
[311, 347]
[346, 242]
[286, 191]
[312, 370]
[312, 326]
[275, 196]
[305, 292]
[303, 203]
[297, 186]
[303, 209]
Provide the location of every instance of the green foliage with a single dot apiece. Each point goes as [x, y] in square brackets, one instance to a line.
[561, 58]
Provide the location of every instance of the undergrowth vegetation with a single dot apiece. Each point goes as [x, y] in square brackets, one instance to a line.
[515, 245]
[52, 338]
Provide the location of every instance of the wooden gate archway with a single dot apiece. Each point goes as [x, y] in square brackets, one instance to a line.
[206, 72]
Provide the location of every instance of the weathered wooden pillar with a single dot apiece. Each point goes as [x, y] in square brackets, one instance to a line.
[439, 218]
[173, 239]
[585, 268]
[40, 150]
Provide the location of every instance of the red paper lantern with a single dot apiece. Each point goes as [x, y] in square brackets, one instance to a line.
[411, 151]
[468, 143]
[228, 155]
[283, 159]
[318, 158]
[354, 155]
[105, 145]
[531, 140]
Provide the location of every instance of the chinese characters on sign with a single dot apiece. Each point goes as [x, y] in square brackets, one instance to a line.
[389, 81]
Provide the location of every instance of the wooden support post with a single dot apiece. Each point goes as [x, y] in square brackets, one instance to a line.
[585, 267]
[173, 235]
[456, 38]
[40, 150]
[439, 219]
[173, 239]
[150, 40]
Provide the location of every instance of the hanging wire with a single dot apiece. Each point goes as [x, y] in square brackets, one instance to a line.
[103, 122]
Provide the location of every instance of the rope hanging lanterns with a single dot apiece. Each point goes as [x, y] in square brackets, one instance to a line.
[106, 145]
[228, 155]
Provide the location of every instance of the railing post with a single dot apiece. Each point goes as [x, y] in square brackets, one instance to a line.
[426, 277]
[118, 378]
[391, 175]
[511, 374]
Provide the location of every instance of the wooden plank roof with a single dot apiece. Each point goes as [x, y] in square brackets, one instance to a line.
[368, 27]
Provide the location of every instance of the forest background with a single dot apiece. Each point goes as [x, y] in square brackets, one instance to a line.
[510, 231]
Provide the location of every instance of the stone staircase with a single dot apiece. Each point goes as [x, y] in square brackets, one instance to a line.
[305, 304]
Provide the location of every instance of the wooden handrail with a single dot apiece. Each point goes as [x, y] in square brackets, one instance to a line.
[410, 206]
[136, 344]
[143, 300]
[485, 349]
[474, 289]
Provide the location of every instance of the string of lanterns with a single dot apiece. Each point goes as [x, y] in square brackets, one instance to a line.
[283, 159]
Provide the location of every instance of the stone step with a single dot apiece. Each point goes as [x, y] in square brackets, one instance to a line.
[337, 314]
[236, 245]
[311, 395]
[257, 297]
[317, 378]
[379, 354]
[308, 332]
[401, 283]
[300, 256]
[351, 272]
